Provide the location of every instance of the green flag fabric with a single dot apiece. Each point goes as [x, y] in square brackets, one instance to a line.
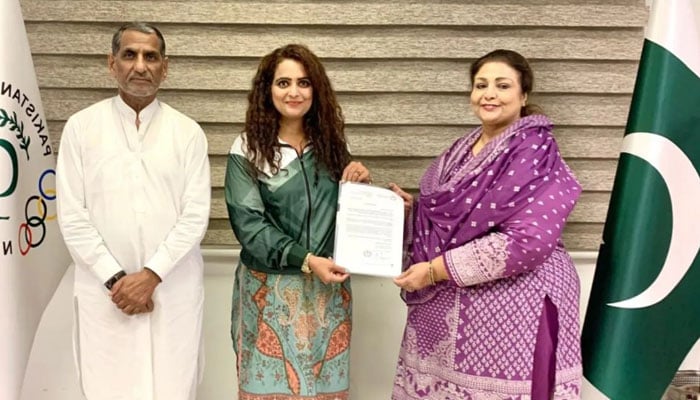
[643, 317]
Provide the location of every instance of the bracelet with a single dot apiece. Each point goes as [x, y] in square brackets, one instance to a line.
[431, 274]
[305, 268]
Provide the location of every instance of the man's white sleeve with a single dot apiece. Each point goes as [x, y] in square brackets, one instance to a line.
[192, 223]
[84, 242]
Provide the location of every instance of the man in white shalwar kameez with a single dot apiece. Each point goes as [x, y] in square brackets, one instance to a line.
[133, 205]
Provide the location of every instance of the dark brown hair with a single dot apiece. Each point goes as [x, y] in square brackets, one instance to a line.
[518, 63]
[323, 123]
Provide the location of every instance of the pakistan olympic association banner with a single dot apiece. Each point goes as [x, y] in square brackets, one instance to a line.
[32, 255]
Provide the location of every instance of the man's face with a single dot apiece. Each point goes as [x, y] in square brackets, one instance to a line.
[138, 67]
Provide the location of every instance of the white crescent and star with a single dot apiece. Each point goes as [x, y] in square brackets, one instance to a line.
[683, 183]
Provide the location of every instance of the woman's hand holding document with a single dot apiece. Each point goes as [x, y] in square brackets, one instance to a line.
[369, 230]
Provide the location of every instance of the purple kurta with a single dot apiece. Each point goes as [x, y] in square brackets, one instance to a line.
[513, 296]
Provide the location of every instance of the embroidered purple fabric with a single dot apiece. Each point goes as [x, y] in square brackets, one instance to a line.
[497, 218]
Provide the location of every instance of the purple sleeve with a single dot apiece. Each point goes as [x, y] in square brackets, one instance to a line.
[536, 231]
[521, 243]
[478, 261]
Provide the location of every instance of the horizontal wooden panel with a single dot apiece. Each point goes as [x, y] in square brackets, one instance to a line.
[418, 141]
[219, 232]
[594, 175]
[430, 141]
[342, 13]
[57, 71]
[440, 3]
[583, 236]
[380, 108]
[577, 236]
[343, 42]
[400, 68]
[591, 206]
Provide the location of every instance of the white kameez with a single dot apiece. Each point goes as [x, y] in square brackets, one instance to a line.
[131, 198]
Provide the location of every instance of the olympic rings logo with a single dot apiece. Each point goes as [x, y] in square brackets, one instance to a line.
[36, 215]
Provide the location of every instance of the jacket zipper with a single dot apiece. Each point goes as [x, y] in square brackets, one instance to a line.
[308, 194]
[308, 199]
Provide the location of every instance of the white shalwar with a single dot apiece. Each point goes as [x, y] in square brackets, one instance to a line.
[129, 199]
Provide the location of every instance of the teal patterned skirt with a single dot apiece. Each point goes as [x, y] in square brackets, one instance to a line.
[291, 335]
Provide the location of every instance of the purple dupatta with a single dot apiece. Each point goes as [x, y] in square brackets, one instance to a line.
[464, 198]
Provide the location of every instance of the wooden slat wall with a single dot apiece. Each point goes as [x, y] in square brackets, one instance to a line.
[400, 68]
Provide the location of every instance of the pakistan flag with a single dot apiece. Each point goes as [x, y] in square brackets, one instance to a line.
[643, 318]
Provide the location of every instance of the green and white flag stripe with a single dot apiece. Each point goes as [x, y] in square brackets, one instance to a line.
[643, 317]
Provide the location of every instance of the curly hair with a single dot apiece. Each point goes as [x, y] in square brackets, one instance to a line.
[323, 124]
[518, 63]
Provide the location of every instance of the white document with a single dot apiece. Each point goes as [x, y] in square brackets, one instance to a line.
[369, 230]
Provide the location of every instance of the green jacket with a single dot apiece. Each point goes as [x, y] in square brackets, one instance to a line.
[279, 218]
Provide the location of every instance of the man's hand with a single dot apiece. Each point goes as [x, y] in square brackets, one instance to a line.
[133, 293]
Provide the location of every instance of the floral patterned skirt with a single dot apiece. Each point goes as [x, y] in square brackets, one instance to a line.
[291, 335]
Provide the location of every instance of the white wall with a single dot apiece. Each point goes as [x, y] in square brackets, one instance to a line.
[377, 328]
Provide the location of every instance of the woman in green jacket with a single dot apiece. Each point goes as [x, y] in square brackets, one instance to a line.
[291, 314]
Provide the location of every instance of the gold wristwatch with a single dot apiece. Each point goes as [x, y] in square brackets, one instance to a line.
[305, 265]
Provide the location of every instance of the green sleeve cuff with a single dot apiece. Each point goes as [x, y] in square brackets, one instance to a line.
[296, 255]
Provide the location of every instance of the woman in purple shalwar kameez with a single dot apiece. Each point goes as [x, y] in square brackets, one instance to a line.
[492, 295]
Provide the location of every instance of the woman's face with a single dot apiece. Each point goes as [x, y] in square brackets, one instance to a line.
[497, 97]
[292, 92]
